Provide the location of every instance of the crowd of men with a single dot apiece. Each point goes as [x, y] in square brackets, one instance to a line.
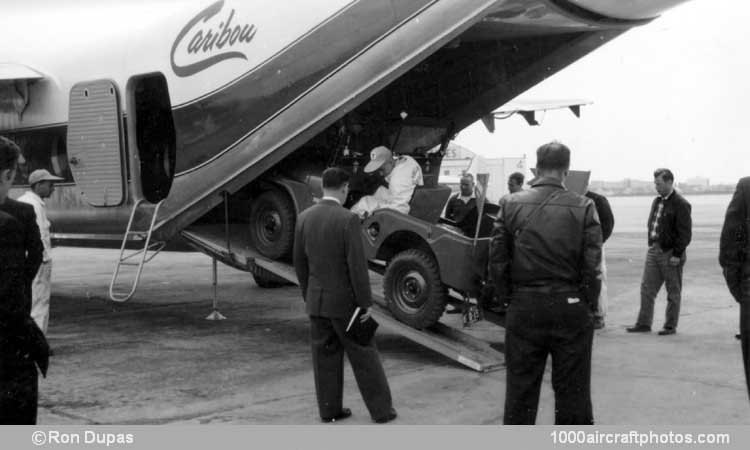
[546, 262]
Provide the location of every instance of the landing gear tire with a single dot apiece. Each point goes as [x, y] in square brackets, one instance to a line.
[267, 280]
[272, 218]
[413, 289]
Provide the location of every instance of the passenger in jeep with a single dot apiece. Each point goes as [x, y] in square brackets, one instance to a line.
[402, 174]
[462, 206]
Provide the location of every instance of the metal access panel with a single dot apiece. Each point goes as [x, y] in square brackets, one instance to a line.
[95, 143]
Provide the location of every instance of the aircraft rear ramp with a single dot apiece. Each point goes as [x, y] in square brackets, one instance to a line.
[231, 249]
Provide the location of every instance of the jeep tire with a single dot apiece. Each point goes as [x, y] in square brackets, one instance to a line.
[272, 218]
[413, 289]
[267, 280]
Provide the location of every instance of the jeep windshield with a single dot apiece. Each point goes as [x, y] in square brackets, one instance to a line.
[419, 138]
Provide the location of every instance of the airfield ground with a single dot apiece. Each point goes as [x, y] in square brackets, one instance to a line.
[156, 360]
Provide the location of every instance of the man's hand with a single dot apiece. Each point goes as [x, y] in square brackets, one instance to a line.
[674, 260]
[365, 315]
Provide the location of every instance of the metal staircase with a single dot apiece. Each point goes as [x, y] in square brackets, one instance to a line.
[147, 253]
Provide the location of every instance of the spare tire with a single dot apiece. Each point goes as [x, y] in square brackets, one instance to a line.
[413, 289]
[272, 218]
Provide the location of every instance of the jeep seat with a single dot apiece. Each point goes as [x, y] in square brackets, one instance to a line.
[427, 203]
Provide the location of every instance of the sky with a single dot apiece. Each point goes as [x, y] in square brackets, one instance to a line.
[673, 93]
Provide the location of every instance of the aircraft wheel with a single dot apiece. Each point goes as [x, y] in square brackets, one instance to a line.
[272, 218]
[413, 289]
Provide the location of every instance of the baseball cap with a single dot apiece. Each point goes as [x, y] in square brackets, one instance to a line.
[42, 175]
[378, 156]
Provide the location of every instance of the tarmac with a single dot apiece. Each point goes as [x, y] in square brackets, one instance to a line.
[156, 360]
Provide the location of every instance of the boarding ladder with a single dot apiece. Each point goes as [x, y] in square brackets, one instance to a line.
[126, 260]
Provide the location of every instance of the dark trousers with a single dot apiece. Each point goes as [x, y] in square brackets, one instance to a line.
[538, 325]
[658, 272]
[745, 338]
[329, 343]
[18, 393]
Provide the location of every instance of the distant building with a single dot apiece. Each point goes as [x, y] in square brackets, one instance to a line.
[459, 160]
[696, 184]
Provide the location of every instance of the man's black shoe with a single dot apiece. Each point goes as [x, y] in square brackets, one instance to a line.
[345, 412]
[667, 331]
[639, 329]
[738, 336]
[391, 415]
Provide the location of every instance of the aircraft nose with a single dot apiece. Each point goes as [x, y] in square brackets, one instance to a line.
[626, 10]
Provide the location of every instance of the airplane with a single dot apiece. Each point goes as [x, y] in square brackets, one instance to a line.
[159, 114]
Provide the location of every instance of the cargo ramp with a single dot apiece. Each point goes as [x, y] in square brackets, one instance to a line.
[230, 246]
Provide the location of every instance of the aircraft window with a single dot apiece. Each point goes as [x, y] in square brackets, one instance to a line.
[43, 148]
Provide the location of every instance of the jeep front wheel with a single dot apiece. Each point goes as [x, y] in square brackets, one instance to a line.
[413, 289]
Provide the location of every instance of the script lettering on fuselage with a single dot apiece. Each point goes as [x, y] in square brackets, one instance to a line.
[206, 44]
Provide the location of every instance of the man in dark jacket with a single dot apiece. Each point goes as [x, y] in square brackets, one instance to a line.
[669, 233]
[607, 220]
[734, 257]
[22, 343]
[332, 270]
[462, 207]
[544, 256]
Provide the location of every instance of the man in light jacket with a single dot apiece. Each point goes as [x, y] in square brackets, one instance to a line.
[42, 185]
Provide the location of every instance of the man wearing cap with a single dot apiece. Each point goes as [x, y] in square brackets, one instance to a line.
[402, 174]
[544, 256]
[42, 186]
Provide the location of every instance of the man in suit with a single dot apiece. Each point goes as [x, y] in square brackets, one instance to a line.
[332, 271]
[22, 343]
[669, 233]
[734, 248]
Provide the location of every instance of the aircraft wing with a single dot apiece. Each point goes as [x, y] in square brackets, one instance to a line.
[528, 108]
[18, 72]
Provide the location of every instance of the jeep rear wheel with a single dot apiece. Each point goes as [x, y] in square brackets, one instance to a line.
[267, 280]
[272, 217]
[413, 289]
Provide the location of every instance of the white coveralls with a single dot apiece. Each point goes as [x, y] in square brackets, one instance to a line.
[402, 180]
[41, 286]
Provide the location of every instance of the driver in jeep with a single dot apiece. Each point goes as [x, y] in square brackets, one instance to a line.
[402, 174]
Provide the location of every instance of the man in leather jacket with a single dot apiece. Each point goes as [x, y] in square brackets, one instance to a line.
[734, 249]
[544, 257]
